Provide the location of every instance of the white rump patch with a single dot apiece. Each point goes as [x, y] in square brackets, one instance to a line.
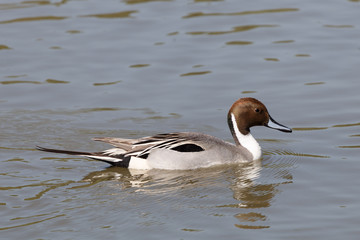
[139, 163]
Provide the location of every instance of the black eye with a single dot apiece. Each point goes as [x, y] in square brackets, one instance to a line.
[257, 110]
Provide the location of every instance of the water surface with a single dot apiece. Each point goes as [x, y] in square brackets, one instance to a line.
[73, 70]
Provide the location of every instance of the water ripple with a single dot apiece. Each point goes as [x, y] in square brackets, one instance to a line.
[123, 14]
[201, 14]
[32, 223]
[31, 19]
[234, 30]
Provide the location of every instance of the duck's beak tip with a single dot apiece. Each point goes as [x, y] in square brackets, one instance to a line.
[275, 125]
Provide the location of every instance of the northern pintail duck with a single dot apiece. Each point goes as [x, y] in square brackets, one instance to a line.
[189, 150]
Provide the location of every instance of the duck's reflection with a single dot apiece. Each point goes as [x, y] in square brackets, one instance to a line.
[250, 195]
[244, 175]
[121, 175]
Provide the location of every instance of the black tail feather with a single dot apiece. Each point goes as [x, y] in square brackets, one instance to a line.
[62, 151]
[115, 161]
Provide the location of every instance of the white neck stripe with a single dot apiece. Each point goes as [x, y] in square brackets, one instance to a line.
[238, 134]
[247, 141]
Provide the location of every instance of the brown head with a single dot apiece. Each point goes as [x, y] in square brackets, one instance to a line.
[249, 112]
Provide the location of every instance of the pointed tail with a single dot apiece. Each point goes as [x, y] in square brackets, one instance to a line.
[63, 151]
[100, 156]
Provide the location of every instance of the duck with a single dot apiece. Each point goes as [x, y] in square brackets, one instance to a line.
[189, 150]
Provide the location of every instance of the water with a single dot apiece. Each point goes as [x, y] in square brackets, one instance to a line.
[73, 70]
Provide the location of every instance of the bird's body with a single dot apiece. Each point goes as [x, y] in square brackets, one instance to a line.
[189, 150]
